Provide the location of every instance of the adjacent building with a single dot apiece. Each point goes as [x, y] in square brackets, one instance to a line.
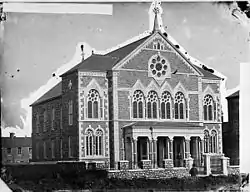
[16, 149]
[145, 104]
[231, 129]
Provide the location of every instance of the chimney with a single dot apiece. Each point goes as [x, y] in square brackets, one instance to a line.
[12, 135]
[82, 49]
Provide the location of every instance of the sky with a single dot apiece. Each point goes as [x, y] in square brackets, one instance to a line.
[37, 45]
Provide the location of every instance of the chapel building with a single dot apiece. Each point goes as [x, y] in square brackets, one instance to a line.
[143, 105]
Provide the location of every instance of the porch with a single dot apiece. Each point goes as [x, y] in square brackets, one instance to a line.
[148, 145]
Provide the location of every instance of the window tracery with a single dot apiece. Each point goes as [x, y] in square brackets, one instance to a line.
[166, 105]
[179, 105]
[208, 107]
[138, 100]
[152, 101]
[93, 101]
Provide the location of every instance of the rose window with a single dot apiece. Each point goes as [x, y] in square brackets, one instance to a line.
[158, 66]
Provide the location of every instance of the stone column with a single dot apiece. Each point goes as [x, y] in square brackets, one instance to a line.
[170, 151]
[154, 146]
[168, 163]
[135, 163]
[188, 160]
[148, 149]
[132, 153]
[151, 151]
[202, 151]
[187, 147]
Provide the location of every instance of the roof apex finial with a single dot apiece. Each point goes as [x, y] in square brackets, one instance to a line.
[156, 10]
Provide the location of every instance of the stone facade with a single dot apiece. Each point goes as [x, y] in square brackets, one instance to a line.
[151, 107]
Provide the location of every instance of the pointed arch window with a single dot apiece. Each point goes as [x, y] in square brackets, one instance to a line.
[179, 105]
[166, 105]
[152, 100]
[208, 108]
[138, 101]
[89, 142]
[93, 101]
[213, 141]
[99, 142]
[206, 141]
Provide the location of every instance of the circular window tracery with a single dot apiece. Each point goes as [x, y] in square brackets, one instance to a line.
[152, 96]
[179, 97]
[138, 96]
[208, 100]
[158, 66]
[93, 95]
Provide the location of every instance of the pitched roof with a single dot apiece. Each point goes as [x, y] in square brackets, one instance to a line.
[206, 73]
[102, 63]
[235, 94]
[8, 142]
[55, 92]
[127, 49]
[95, 62]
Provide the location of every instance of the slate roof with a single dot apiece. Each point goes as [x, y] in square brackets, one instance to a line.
[163, 124]
[127, 49]
[235, 94]
[206, 73]
[8, 142]
[102, 63]
[95, 62]
[53, 93]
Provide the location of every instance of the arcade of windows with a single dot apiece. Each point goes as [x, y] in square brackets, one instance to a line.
[152, 105]
[166, 103]
[210, 142]
[94, 142]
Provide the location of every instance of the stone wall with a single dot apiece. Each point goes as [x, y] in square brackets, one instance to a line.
[152, 173]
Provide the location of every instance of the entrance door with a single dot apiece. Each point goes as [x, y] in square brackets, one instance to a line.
[142, 149]
[178, 151]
